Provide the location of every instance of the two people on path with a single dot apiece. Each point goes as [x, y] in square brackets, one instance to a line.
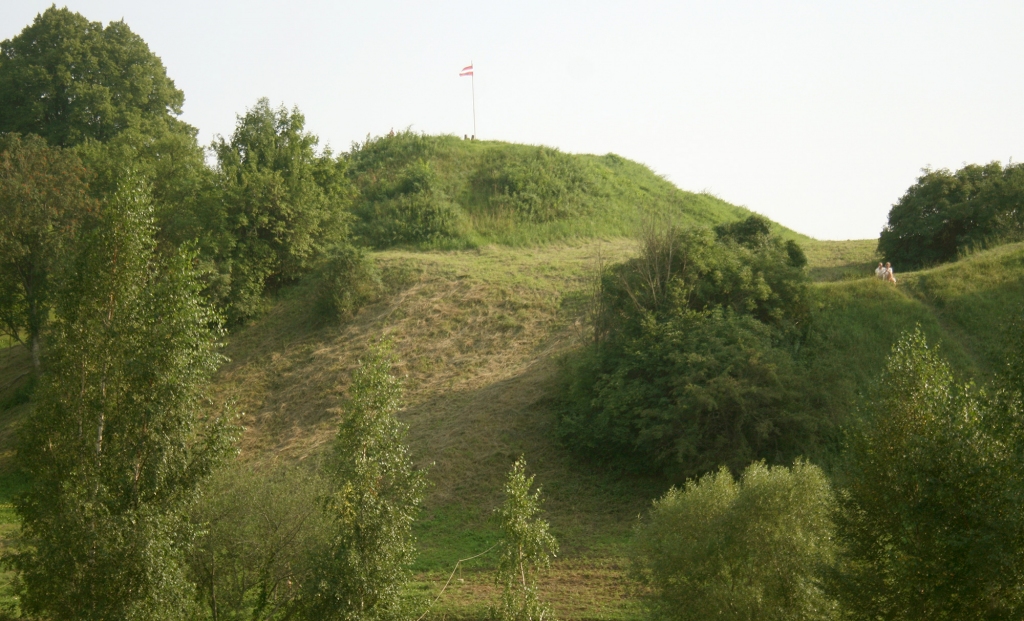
[884, 272]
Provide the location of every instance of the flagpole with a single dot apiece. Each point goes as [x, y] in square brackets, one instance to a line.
[472, 84]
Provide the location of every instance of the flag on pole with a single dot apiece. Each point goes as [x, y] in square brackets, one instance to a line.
[466, 71]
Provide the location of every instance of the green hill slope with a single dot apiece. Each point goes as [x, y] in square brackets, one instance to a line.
[444, 192]
[480, 333]
[480, 322]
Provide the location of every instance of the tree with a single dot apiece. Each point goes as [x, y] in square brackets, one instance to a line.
[262, 528]
[525, 547]
[930, 497]
[375, 495]
[119, 441]
[945, 213]
[283, 204]
[68, 80]
[43, 199]
[753, 549]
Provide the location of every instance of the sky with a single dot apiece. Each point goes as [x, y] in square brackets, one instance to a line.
[818, 115]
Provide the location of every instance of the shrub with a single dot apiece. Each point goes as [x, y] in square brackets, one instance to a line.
[408, 218]
[756, 548]
[348, 280]
[261, 528]
[535, 184]
[691, 364]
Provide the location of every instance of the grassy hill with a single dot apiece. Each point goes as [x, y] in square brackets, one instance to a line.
[480, 333]
[480, 318]
[444, 192]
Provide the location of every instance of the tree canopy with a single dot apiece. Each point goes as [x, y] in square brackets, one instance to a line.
[930, 497]
[68, 80]
[945, 213]
[118, 442]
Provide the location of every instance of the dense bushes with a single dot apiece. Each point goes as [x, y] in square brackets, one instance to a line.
[724, 549]
[946, 213]
[535, 184]
[691, 365]
[925, 522]
[346, 280]
[401, 199]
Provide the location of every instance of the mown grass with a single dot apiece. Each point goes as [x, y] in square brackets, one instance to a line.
[830, 261]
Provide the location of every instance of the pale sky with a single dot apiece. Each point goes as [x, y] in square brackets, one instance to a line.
[818, 115]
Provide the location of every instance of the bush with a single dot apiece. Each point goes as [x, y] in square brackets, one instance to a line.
[401, 198]
[408, 218]
[691, 365]
[261, 527]
[756, 548]
[535, 184]
[348, 280]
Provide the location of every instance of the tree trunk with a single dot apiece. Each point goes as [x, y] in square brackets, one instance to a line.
[36, 347]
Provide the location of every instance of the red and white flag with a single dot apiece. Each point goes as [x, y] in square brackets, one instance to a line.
[466, 71]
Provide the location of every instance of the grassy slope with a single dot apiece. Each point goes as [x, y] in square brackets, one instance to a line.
[480, 332]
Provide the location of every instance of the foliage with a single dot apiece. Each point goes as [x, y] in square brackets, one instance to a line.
[261, 527]
[944, 214]
[375, 493]
[691, 365]
[756, 548]
[525, 547]
[43, 199]
[118, 443]
[402, 199]
[68, 80]
[347, 280]
[283, 204]
[538, 185]
[930, 520]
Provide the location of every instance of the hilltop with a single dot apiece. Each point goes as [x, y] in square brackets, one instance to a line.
[448, 193]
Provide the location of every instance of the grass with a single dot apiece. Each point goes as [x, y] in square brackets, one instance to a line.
[830, 261]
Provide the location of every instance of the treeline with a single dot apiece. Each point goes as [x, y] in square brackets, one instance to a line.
[948, 213]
